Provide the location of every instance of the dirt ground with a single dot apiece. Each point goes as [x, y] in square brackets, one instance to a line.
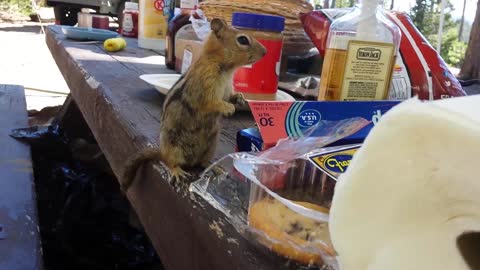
[26, 60]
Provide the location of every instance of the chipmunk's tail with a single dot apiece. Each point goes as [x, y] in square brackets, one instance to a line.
[134, 163]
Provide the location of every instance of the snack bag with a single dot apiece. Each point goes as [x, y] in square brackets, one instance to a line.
[419, 71]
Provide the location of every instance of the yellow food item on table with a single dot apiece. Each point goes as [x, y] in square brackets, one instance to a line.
[289, 231]
[114, 44]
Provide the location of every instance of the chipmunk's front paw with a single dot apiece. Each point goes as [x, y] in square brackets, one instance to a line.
[229, 109]
[238, 99]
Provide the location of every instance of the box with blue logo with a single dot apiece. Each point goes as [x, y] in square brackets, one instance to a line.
[249, 140]
[277, 120]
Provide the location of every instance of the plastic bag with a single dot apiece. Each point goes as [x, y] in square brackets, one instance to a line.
[277, 198]
[201, 26]
[419, 69]
[85, 222]
[429, 74]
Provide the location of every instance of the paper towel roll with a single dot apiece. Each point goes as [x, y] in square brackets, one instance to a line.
[412, 189]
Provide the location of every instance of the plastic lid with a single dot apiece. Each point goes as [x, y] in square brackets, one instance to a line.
[188, 4]
[258, 21]
[131, 5]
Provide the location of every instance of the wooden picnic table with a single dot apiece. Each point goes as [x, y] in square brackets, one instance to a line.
[123, 113]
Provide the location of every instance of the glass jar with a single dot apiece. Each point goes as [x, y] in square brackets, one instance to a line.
[181, 18]
[130, 20]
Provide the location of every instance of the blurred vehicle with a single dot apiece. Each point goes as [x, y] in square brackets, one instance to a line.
[66, 11]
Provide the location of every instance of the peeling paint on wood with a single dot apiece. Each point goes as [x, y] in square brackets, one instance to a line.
[19, 235]
[215, 227]
[233, 241]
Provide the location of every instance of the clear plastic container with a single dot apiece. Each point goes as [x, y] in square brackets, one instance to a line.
[152, 24]
[361, 50]
[279, 198]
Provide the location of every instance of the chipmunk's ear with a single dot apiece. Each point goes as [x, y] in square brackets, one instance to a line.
[218, 26]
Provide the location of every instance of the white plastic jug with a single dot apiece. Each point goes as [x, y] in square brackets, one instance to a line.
[152, 24]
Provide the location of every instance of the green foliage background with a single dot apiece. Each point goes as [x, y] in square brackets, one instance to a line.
[426, 17]
[18, 6]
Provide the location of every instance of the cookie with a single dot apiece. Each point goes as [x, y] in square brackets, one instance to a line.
[288, 233]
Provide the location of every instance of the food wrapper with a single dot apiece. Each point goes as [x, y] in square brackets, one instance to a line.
[278, 198]
[200, 25]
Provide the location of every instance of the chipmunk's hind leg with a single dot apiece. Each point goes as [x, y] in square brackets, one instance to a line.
[177, 174]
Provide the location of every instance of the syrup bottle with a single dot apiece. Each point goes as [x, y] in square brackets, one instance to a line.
[361, 50]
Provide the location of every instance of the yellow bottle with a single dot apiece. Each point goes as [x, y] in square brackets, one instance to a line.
[152, 24]
[361, 50]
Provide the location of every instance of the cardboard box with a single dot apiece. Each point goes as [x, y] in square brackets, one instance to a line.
[249, 140]
[277, 120]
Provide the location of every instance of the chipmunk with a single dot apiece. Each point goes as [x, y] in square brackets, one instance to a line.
[192, 109]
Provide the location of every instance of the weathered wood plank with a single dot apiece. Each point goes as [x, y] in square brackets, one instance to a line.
[123, 113]
[20, 247]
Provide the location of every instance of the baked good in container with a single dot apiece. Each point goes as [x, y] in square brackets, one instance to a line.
[291, 234]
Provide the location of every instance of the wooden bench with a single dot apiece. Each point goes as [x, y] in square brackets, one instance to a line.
[20, 247]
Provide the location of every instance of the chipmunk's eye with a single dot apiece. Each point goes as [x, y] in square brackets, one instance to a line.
[243, 40]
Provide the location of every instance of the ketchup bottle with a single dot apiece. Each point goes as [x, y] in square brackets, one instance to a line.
[130, 20]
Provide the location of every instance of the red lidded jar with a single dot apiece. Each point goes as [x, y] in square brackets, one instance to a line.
[130, 20]
[262, 76]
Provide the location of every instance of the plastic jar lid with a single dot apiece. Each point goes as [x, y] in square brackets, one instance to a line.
[131, 5]
[258, 21]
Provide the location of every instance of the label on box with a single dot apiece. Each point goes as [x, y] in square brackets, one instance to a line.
[187, 60]
[334, 162]
[277, 120]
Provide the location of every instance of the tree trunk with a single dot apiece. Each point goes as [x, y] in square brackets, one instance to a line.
[471, 65]
[462, 20]
[392, 4]
[325, 4]
[333, 4]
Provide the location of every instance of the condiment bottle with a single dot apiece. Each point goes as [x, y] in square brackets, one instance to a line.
[152, 24]
[360, 56]
[187, 8]
[260, 80]
[130, 20]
